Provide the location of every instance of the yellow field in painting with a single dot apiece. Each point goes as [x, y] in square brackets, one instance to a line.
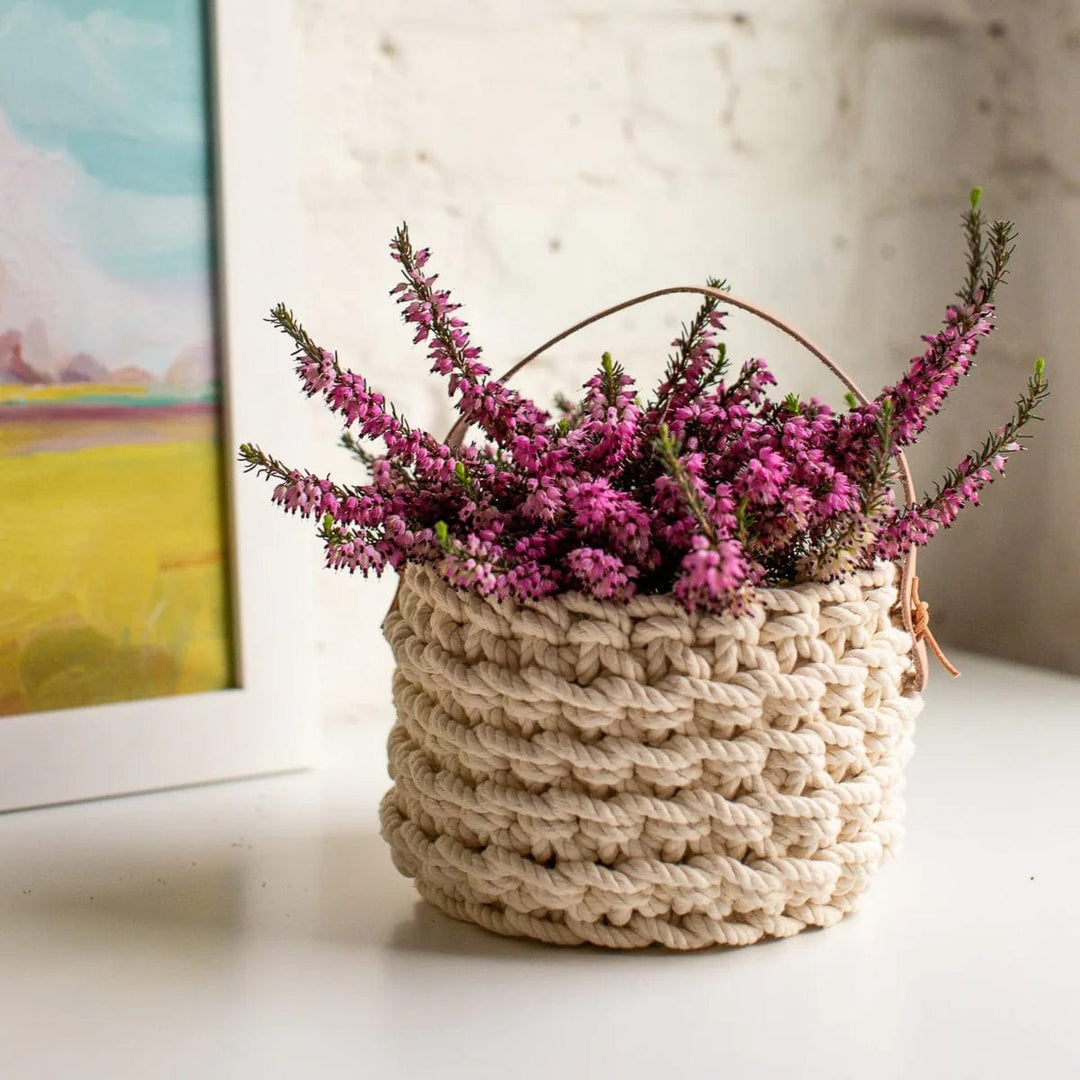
[49, 392]
[112, 580]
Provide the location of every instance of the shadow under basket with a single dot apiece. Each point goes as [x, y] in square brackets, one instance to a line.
[630, 774]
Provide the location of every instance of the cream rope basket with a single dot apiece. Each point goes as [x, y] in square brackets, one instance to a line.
[632, 774]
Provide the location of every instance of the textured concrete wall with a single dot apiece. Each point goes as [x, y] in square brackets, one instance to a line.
[562, 156]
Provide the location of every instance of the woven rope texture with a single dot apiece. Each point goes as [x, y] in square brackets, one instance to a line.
[629, 775]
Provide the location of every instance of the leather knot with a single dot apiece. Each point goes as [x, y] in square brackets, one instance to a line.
[920, 622]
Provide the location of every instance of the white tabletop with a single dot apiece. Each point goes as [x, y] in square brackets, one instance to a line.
[258, 929]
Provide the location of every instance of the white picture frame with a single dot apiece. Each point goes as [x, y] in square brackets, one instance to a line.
[269, 722]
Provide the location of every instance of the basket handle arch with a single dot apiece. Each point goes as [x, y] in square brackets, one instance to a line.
[913, 612]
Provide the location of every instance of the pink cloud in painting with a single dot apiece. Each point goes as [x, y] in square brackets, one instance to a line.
[42, 193]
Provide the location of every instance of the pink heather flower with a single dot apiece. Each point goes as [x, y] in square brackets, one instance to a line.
[601, 574]
[841, 496]
[705, 491]
[755, 379]
[497, 410]
[907, 527]
[353, 555]
[316, 375]
[764, 478]
[710, 577]
[473, 565]
[597, 509]
[545, 499]
[606, 432]
[530, 581]
[306, 495]
[929, 378]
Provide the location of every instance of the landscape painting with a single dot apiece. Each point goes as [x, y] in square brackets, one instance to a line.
[113, 572]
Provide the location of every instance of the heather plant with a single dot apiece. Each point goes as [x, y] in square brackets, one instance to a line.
[706, 489]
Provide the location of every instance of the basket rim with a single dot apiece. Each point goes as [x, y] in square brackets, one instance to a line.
[764, 599]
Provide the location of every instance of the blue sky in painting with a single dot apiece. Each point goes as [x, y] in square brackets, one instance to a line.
[118, 85]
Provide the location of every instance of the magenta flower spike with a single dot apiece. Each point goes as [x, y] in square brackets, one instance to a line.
[704, 490]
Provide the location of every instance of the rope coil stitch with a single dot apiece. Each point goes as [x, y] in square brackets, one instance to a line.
[630, 775]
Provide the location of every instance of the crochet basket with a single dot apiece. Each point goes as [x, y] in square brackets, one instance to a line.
[626, 775]
[577, 771]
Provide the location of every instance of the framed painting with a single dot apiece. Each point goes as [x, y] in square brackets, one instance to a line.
[154, 619]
